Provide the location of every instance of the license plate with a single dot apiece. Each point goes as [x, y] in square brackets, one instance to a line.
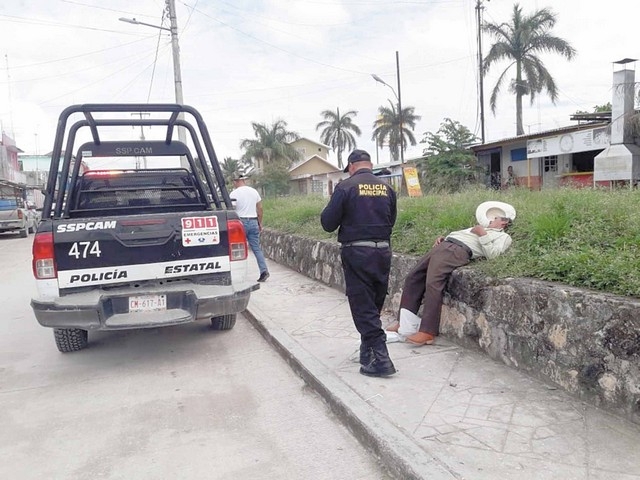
[147, 303]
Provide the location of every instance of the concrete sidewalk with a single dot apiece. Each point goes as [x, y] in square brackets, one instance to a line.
[449, 413]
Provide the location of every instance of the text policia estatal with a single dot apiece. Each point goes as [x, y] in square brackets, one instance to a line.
[199, 267]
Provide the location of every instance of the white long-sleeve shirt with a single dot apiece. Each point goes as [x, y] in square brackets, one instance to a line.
[494, 243]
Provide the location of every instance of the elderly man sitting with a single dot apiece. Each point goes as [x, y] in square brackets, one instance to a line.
[426, 282]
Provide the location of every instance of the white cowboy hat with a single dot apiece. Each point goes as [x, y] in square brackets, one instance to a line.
[487, 211]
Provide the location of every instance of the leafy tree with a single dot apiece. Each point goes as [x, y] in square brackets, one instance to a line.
[597, 109]
[519, 42]
[337, 131]
[273, 179]
[602, 108]
[448, 164]
[272, 144]
[387, 127]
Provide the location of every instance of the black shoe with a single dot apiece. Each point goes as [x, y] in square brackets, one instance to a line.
[366, 355]
[381, 366]
[263, 277]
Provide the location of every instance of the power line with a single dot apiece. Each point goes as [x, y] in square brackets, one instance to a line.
[189, 17]
[155, 60]
[81, 55]
[16, 19]
[90, 84]
[105, 8]
[75, 71]
[152, 64]
[276, 47]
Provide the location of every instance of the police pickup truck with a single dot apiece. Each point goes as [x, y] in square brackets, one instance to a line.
[131, 247]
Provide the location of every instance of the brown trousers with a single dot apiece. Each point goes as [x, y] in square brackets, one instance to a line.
[426, 282]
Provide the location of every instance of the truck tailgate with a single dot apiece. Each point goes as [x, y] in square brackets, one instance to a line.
[121, 250]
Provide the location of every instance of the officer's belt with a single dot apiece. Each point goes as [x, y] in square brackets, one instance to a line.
[460, 244]
[367, 243]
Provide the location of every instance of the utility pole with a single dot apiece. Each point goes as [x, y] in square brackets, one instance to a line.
[175, 49]
[13, 134]
[479, 9]
[400, 109]
[398, 96]
[339, 138]
[177, 75]
[144, 157]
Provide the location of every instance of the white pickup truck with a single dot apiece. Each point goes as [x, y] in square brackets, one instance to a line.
[128, 248]
[16, 215]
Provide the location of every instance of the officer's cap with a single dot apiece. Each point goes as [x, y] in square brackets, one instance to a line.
[357, 156]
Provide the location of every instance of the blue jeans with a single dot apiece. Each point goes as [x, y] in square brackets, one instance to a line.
[252, 230]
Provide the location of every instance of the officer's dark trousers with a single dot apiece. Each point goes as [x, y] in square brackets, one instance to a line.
[426, 282]
[366, 276]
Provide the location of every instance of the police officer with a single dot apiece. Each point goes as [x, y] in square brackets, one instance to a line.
[364, 208]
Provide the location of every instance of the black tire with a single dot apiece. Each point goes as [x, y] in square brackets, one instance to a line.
[24, 233]
[32, 228]
[224, 322]
[70, 339]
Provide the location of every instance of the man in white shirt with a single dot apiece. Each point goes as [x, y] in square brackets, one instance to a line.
[426, 282]
[248, 205]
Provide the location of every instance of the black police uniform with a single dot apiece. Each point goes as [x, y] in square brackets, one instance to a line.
[364, 208]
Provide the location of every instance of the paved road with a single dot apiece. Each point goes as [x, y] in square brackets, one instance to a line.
[178, 403]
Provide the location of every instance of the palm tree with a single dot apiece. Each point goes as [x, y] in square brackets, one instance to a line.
[519, 42]
[387, 127]
[230, 168]
[336, 132]
[272, 144]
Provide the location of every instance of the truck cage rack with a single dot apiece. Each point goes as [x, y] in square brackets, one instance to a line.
[212, 186]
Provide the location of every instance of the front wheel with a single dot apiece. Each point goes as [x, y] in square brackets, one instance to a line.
[224, 322]
[70, 339]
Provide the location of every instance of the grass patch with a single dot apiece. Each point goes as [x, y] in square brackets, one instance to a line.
[587, 238]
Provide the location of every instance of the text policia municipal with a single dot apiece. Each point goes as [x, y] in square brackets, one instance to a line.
[372, 190]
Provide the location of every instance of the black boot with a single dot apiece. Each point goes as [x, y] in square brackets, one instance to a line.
[366, 354]
[381, 366]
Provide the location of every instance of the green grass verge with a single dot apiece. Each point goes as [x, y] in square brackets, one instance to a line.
[581, 237]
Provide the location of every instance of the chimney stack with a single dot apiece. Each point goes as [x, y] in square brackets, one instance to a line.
[620, 161]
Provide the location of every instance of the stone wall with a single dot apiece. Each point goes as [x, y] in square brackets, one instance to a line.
[587, 343]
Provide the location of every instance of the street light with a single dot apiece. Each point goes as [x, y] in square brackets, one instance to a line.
[399, 98]
[177, 75]
[379, 80]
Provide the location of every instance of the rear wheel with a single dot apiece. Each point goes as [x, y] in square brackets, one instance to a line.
[70, 339]
[223, 322]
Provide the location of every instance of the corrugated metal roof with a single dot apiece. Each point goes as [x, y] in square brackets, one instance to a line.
[531, 136]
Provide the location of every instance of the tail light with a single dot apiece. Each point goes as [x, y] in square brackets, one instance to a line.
[237, 240]
[44, 262]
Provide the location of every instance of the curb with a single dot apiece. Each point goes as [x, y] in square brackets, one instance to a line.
[397, 452]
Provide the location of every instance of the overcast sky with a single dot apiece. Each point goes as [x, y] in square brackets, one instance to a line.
[246, 61]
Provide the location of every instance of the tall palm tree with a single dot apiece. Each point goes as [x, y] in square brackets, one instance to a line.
[520, 42]
[272, 144]
[387, 127]
[336, 131]
[230, 168]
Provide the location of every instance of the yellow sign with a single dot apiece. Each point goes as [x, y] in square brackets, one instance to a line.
[413, 184]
